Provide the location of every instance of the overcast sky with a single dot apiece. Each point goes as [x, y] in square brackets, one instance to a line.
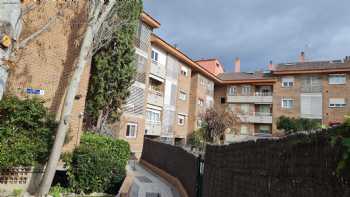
[257, 31]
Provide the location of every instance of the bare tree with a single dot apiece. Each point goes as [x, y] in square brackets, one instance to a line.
[102, 21]
[11, 15]
[215, 123]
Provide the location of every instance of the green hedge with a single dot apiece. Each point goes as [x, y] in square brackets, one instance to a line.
[98, 164]
[26, 132]
[291, 125]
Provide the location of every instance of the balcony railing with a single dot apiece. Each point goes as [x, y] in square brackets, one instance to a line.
[155, 98]
[257, 97]
[144, 46]
[256, 117]
[153, 128]
[157, 69]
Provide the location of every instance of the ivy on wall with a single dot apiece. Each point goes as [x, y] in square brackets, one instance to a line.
[113, 70]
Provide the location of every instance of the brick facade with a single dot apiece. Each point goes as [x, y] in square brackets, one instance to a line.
[47, 62]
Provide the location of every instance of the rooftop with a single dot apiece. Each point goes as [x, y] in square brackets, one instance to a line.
[241, 76]
[312, 66]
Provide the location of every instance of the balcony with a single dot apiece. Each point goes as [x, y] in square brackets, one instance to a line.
[155, 98]
[157, 69]
[144, 46]
[256, 117]
[153, 128]
[257, 97]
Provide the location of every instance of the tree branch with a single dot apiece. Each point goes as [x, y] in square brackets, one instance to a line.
[25, 42]
[32, 6]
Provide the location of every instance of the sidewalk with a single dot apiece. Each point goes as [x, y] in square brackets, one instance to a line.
[148, 184]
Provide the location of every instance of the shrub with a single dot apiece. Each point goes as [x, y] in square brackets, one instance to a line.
[196, 139]
[291, 125]
[26, 132]
[98, 164]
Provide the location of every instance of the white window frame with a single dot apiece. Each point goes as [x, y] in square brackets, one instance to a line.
[291, 102]
[128, 125]
[155, 56]
[155, 112]
[179, 118]
[184, 71]
[334, 81]
[337, 102]
[246, 90]
[287, 82]
[231, 91]
[182, 96]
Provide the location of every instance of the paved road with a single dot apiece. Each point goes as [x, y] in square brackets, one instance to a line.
[148, 184]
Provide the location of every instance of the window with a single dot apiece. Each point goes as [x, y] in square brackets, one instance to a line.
[311, 84]
[184, 71]
[222, 100]
[200, 102]
[246, 90]
[287, 81]
[337, 79]
[131, 129]
[244, 130]
[337, 102]
[231, 91]
[244, 108]
[182, 96]
[153, 116]
[264, 129]
[180, 119]
[199, 123]
[311, 105]
[287, 103]
[154, 56]
[202, 81]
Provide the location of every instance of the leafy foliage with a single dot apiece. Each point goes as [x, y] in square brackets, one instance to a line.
[26, 132]
[292, 125]
[196, 139]
[341, 134]
[113, 69]
[98, 164]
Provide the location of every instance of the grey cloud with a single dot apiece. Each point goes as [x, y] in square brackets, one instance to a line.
[255, 30]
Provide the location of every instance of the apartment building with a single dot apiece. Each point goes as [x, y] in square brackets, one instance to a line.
[249, 97]
[188, 90]
[312, 89]
[132, 124]
[171, 91]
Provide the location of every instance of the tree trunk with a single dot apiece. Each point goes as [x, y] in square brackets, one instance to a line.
[99, 121]
[10, 24]
[84, 59]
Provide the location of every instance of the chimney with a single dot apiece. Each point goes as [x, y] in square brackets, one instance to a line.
[237, 65]
[270, 65]
[347, 59]
[302, 57]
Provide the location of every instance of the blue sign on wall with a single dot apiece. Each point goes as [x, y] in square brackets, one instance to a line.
[35, 91]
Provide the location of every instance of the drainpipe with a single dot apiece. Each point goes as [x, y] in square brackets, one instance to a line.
[10, 29]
